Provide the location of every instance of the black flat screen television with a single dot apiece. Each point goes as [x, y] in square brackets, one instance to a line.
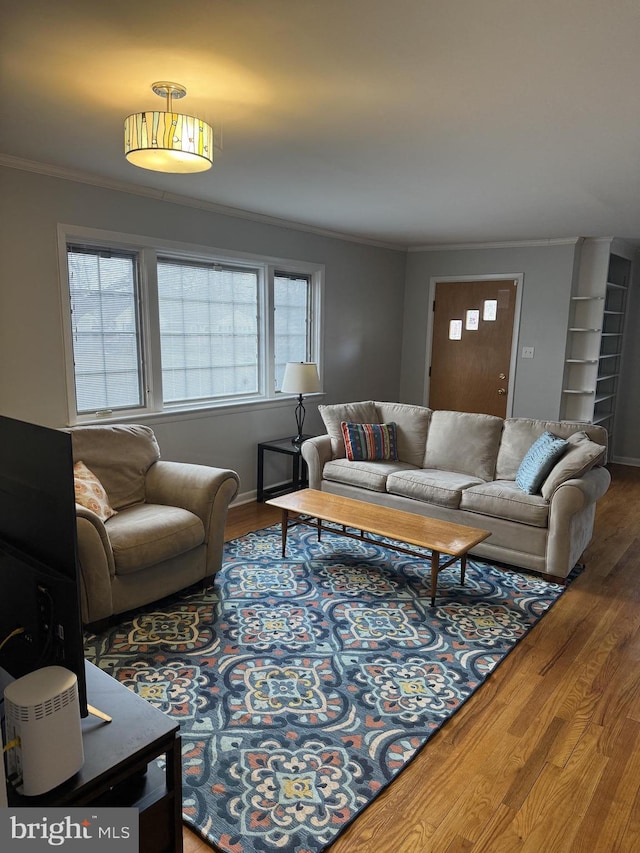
[40, 617]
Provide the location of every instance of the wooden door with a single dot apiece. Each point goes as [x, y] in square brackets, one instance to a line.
[471, 346]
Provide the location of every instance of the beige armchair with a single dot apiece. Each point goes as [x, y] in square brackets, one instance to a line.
[168, 530]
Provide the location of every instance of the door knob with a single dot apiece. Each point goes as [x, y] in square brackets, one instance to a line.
[501, 391]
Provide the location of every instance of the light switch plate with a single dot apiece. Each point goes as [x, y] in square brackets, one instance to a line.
[527, 352]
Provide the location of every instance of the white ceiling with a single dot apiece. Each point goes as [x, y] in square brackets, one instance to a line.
[414, 122]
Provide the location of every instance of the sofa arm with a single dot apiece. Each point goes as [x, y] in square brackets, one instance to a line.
[571, 518]
[96, 566]
[316, 452]
[203, 490]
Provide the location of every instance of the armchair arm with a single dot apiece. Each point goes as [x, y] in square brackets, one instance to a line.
[96, 566]
[203, 490]
[316, 452]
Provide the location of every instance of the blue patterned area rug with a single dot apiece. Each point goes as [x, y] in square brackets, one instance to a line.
[303, 686]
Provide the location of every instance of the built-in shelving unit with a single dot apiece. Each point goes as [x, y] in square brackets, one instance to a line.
[595, 334]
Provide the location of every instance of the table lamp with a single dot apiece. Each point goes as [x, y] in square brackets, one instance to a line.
[300, 377]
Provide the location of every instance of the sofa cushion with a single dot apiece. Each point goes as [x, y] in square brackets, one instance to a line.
[581, 456]
[504, 499]
[463, 442]
[370, 442]
[366, 475]
[119, 455]
[538, 461]
[412, 424]
[332, 416]
[518, 434]
[145, 534]
[443, 488]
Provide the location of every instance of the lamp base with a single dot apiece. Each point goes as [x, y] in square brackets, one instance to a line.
[300, 413]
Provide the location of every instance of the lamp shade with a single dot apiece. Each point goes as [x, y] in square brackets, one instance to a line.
[300, 377]
[168, 142]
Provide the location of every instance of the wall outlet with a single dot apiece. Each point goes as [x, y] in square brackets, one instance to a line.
[527, 352]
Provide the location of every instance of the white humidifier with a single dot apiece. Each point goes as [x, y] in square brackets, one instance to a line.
[42, 714]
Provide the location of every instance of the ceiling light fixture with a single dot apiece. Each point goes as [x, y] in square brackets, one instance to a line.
[168, 141]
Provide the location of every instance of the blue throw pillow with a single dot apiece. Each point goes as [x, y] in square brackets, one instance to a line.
[370, 442]
[539, 460]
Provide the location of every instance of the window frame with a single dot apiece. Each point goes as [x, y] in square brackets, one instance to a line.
[148, 250]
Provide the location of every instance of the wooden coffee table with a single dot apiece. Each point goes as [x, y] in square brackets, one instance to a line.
[312, 507]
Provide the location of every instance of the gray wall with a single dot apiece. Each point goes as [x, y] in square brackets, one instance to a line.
[548, 272]
[362, 311]
[373, 349]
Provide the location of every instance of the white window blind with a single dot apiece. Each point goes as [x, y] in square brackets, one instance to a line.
[292, 305]
[105, 326]
[208, 330]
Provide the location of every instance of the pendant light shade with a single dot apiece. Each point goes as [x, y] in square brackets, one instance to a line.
[168, 141]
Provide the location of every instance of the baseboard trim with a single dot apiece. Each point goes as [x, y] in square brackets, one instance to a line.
[626, 460]
[245, 498]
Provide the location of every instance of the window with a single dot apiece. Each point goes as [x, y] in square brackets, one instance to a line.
[103, 289]
[208, 331]
[153, 329]
[292, 320]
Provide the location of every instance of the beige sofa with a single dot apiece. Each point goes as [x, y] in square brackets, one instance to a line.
[462, 467]
[168, 530]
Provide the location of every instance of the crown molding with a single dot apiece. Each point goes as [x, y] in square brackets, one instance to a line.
[507, 244]
[67, 174]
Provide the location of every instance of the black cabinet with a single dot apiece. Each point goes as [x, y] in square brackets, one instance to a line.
[119, 764]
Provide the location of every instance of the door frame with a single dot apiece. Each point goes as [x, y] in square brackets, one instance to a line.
[518, 277]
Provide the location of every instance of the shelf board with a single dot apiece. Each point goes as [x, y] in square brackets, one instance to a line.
[610, 355]
[614, 313]
[577, 391]
[612, 334]
[603, 397]
[606, 377]
[615, 286]
[577, 329]
[581, 360]
[587, 298]
[601, 419]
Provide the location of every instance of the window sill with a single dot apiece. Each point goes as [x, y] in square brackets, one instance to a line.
[182, 413]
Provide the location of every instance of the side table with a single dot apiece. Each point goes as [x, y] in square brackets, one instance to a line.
[299, 478]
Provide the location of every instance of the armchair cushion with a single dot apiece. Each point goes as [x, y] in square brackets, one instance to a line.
[145, 534]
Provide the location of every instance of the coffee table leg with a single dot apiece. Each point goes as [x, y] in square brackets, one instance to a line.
[435, 567]
[463, 568]
[284, 524]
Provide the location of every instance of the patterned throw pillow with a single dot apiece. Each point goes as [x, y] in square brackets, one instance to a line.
[538, 461]
[370, 442]
[90, 492]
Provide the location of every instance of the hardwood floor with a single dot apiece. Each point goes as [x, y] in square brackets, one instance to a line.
[545, 758]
